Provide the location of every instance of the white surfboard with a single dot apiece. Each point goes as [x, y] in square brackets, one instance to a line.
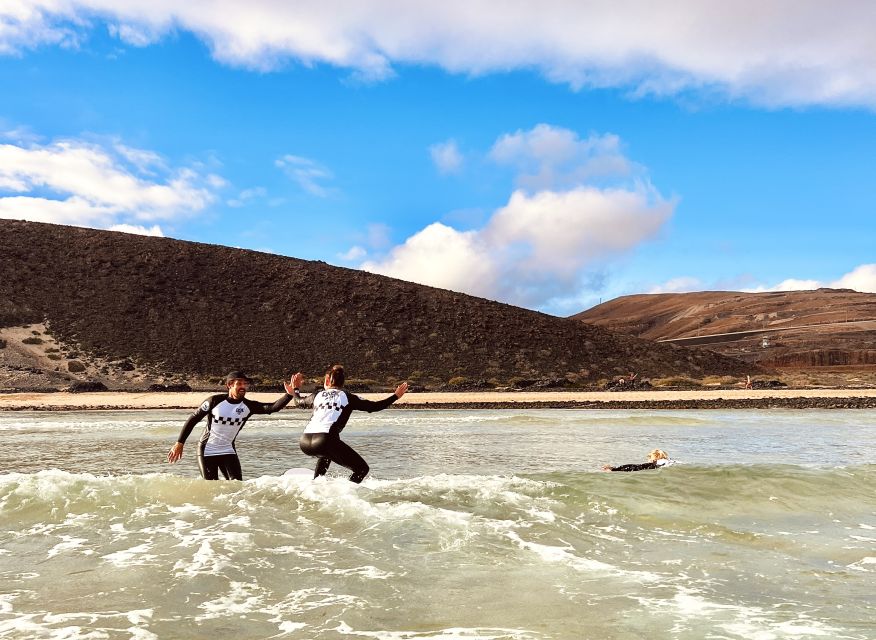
[299, 471]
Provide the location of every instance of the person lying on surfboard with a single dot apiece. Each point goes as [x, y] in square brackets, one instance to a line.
[656, 459]
[226, 414]
[331, 410]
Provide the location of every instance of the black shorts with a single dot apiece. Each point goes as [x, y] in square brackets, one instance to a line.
[228, 464]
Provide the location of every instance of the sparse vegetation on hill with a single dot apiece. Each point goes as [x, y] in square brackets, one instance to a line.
[194, 309]
[790, 329]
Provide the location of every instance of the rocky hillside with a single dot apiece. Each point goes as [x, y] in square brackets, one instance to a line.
[825, 327]
[186, 309]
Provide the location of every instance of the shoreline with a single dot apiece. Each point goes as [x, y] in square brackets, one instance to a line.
[692, 399]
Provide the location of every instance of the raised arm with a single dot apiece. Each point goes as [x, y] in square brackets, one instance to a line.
[303, 402]
[370, 406]
[279, 403]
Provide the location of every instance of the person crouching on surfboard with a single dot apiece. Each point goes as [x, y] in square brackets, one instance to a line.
[226, 414]
[656, 459]
[331, 409]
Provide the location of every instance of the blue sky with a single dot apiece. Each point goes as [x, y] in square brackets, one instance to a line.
[549, 155]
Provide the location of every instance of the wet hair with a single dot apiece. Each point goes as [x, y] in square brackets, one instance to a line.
[335, 375]
[658, 454]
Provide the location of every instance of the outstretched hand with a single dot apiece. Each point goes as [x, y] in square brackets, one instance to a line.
[294, 383]
[401, 389]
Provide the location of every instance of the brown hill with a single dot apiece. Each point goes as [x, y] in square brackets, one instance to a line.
[825, 327]
[189, 309]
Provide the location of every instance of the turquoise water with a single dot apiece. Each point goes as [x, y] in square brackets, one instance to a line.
[473, 524]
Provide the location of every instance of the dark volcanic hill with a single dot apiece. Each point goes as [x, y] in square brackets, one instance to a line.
[192, 308]
[817, 328]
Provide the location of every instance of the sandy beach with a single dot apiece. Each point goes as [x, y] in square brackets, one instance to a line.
[693, 399]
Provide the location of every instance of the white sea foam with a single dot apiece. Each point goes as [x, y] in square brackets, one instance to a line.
[204, 561]
[139, 633]
[6, 600]
[78, 625]
[758, 629]
[867, 564]
[188, 509]
[456, 633]
[368, 572]
[208, 558]
[69, 543]
[299, 551]
[691, 609]
[241, 598]
[509, 491]
[300, 602]
[566, 555]
[132, 557]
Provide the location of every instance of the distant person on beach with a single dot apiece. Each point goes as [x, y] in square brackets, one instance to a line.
[656, 459]
[331, 410]
[226, 414]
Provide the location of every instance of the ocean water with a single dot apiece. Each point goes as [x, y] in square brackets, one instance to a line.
[473, 524]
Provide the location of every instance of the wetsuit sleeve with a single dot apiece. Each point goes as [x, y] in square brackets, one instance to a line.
[195, 418]
[303, 402]
[636, 467]
[360, 404]
[264, 407]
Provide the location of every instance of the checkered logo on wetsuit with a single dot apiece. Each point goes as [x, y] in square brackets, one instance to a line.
[226, 421]
[327, 408]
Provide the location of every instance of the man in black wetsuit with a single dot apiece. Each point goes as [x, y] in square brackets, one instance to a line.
[331, 409]
[226, 414]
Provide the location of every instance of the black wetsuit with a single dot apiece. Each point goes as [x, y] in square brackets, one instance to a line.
[225, 418]
[322, 436]
[642, 467]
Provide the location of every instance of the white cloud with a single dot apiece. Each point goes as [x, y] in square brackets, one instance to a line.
[137, 35]
[862, 278]
[146, 162]
[784, 52]
[536, 248]
[532, 250]
[441, 256]
[19, 135]
[79, 183]
[794, 284]
[446, 156]
[683, 284]
[306, 173]
[559, 232]
[140, 230]
[548, 157]
[247, 195]
[354, 254]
